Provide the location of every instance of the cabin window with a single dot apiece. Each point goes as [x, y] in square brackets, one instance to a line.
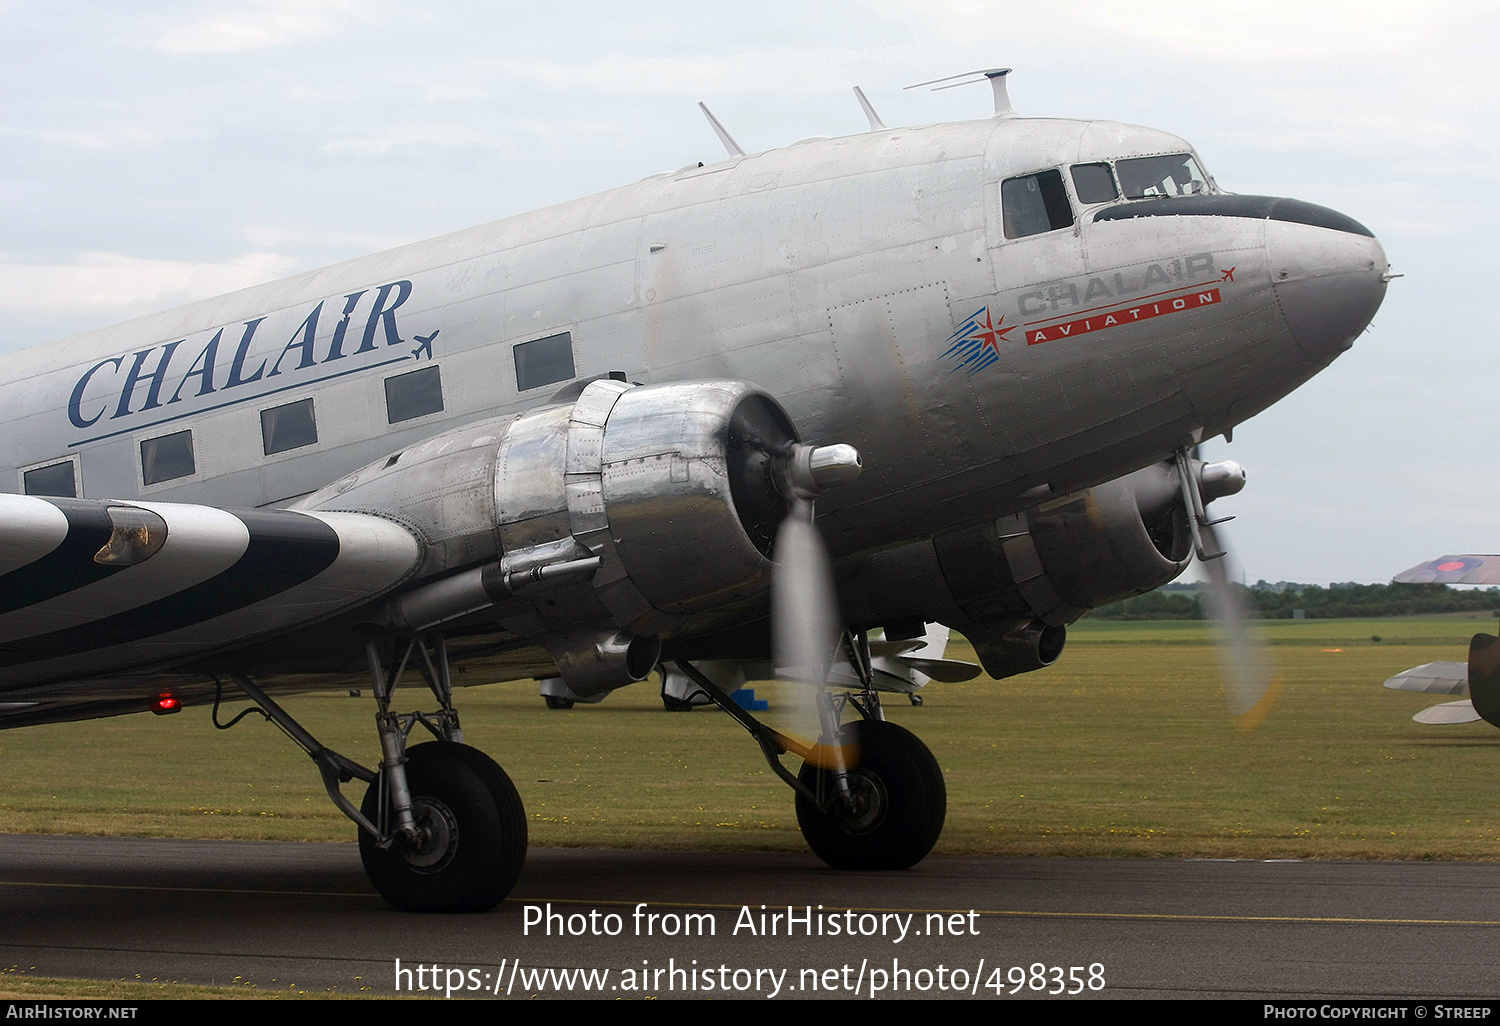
[1094, 183]
[56, 479]
[1176, 174]
[288, 427]
[167, 458]
[1033, 204]
[408, 396]
[544, 361]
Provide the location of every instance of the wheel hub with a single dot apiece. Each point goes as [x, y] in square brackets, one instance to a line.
[436, 839]
[864, 809]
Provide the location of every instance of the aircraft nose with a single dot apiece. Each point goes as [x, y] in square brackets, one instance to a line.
[1329, 278]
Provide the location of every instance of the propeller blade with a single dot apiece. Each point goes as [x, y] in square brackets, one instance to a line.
[805, 623]
[1250, 681]
[805, 632]
[804, 610]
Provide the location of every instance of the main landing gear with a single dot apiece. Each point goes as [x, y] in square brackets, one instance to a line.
[468, 836]
[891, 809]
[870, 794]
[441, 828]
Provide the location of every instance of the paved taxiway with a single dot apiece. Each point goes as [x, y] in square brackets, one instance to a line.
[273, 915]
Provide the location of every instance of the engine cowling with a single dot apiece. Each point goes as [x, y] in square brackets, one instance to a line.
[594, 526]
[1021, 580]
[671, 486]
[1072, 554]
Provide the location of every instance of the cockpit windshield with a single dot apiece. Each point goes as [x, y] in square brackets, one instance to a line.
[1038, 203]
[1175, 174]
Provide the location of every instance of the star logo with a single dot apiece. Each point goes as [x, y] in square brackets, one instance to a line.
[976, 344]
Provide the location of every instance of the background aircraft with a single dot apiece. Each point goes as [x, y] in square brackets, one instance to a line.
[1479, 677]
[571, 443]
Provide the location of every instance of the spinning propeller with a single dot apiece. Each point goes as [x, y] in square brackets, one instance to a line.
[1250, 683]
[805, 623]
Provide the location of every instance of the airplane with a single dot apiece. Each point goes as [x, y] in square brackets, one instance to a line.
[1479, 677]
[901, 666]
[743, 411]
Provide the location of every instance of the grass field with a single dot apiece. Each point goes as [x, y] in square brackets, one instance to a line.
[1122, 748]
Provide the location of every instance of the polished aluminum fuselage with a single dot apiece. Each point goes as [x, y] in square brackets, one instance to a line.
[835, 274]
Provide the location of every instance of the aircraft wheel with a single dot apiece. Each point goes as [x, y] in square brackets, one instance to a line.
[472, 834]
[898, 802]
[554, 702]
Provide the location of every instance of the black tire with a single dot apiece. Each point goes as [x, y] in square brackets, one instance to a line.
[901, 802]
[554, 702]
[475, 815]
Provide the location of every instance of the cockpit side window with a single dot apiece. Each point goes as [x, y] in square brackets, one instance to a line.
[1176, 174]
[1094, 183]
[1033, 204]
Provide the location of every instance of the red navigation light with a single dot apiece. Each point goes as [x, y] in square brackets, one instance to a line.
[165, 703]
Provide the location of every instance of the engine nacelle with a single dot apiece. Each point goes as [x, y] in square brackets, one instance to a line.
[595, 526]
[1013, 584]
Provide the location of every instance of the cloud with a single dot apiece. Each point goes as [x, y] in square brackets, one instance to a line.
[524, 135]
[1287, 32]
[414, 135]
[260, 24]
[761, 71]
[110, 137]
[268, 237]
[102, 137]
[126, 285]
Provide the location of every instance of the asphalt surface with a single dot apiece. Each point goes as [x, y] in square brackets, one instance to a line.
[277, 915]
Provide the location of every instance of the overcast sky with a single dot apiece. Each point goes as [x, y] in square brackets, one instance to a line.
[156, 152]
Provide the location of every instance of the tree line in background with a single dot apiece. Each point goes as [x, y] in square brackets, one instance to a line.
[1279, 601]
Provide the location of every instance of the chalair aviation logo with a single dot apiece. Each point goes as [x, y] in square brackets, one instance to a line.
[976, 344]
[1067, 309]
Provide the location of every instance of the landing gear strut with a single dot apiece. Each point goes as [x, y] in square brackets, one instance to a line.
[441, 828]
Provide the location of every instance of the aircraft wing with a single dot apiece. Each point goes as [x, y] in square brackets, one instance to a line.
[1449, 712]
[1440, 678]
[90, 587]
[1453, 570]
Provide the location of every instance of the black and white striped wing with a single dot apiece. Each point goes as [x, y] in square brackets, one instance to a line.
[90, 587]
